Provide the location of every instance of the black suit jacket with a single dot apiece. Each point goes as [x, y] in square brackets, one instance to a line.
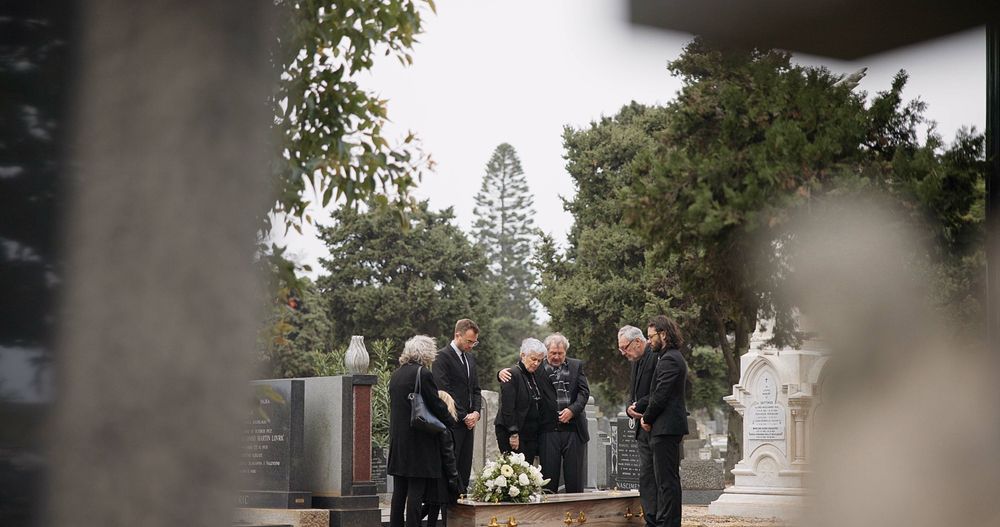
[515, 402]
[579, 394]
[641, 381]
[666, 410]
[409, 449]
[450, 375]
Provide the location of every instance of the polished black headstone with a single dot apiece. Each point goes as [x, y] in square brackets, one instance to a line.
[380, 466]
[626, 455]
[272, 457]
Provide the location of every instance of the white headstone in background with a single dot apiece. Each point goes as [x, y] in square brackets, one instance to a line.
[776, 395]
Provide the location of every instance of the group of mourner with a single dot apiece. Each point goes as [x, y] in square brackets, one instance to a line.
[542, 401]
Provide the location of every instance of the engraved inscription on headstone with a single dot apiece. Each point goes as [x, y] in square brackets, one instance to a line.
[766, 416]
[626, 455]
[380, 476]
[270, 463]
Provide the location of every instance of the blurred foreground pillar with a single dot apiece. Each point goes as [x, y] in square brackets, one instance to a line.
[169, 174]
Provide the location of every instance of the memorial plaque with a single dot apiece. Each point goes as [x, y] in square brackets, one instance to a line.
[766, 417]
[271, 461]
[625, 455]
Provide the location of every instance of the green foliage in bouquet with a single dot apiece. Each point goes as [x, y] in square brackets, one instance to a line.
[509, 479]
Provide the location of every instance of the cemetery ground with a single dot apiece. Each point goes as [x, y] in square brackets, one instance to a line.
[693, 516]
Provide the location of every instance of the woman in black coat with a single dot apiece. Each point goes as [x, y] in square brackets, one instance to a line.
[409, 463]
[517, 420]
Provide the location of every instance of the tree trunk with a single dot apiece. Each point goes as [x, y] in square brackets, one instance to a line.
[734, 436]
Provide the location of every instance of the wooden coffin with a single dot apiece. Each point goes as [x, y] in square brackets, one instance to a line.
[585, 509]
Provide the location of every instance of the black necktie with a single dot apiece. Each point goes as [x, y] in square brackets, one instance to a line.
[468, 375]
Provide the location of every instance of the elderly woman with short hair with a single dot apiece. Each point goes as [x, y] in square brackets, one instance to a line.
[518, 417]
[410, 465]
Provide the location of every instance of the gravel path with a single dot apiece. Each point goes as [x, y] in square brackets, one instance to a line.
[698, 516]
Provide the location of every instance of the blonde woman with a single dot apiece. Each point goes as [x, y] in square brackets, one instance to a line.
[410, 466]
[447, 487]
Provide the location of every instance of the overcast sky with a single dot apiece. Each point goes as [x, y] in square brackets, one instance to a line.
[518, 71]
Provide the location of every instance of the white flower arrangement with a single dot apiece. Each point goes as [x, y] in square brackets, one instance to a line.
[510, 479]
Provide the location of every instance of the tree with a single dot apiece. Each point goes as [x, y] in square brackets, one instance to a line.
[606, 278]
[295, 328]
[504, 231]
[330, 128]
[752, 140]
[390, 280]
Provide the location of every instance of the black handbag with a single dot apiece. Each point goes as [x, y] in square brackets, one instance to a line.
[421, 417]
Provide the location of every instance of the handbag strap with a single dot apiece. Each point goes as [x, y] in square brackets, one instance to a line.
[416, 388]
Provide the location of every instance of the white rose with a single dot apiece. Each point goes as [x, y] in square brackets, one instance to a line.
[489, 484]
[514, 491]
[500, 481]
[488, 472]
[517, 458]
[523, 479]
[507, 470]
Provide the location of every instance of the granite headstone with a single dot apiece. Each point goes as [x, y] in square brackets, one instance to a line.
[272, 458]
[625, 454]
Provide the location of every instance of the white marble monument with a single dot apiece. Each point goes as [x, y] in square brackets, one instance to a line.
[777, 396]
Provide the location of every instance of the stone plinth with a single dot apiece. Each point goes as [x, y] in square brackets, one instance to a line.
[338, 437]
[776, 396]
[702, 474]
[600, 509]
[291, 517]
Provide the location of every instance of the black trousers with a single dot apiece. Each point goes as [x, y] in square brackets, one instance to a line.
[647, 479]
[667, 468]
[528, 447]
[463, 453]
[408, 493]
[562, 453]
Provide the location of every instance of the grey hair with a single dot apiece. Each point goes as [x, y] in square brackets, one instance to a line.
[556, 339]
[532, 345]
[631, 333]
[420, 349]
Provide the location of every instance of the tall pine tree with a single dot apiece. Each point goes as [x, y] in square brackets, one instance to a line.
[505, 232]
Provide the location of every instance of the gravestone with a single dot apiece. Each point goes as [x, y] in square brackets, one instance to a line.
[338, 457]
[776, 396]
[380, 467]
[484, 440]
[272, 458]
[596, 468]
[625, 455]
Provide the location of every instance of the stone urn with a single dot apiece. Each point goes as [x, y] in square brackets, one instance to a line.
[356, 359]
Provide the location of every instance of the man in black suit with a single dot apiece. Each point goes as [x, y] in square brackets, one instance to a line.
[455, 372]
[633, 346]
[665, 418]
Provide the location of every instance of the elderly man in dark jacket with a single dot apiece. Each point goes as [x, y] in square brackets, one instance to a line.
[643, 357]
